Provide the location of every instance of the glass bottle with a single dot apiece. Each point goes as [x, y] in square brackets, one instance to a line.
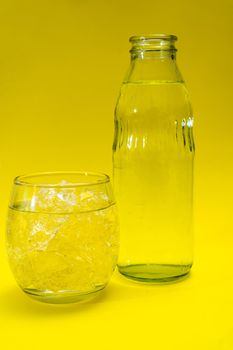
[153, 152]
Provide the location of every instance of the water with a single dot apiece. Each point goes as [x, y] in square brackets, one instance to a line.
[153, 174]
[62, 256]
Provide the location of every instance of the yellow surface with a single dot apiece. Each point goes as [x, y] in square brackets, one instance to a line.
[61, 66]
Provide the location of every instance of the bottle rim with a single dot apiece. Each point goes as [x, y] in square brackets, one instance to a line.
[153, 42]
[149, 37]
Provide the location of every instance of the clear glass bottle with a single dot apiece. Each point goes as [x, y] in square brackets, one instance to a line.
[153, 153]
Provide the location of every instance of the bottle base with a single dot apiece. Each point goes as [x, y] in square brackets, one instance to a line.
[155, 273]
[62, 297]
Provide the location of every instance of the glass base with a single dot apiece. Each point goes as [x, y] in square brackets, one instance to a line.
[62, 297]
[155, 273]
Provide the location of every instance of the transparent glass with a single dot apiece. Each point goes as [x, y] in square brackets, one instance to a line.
[153, 154]
[62, 235]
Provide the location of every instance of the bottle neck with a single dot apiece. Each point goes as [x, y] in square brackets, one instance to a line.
[153, 66]
[153, 58]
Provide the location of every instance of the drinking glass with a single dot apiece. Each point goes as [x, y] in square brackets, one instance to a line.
[62, 235]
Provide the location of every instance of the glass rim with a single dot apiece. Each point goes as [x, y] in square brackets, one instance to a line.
[98, 179]
[147, 37]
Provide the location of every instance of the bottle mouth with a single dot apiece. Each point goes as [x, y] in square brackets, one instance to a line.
[153, 42]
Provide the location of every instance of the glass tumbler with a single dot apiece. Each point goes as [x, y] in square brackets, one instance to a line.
[62, 235]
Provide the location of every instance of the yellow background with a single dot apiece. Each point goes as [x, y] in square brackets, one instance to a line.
[61, 66]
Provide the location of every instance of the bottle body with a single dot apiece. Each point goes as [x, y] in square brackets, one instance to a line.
[153, 178]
